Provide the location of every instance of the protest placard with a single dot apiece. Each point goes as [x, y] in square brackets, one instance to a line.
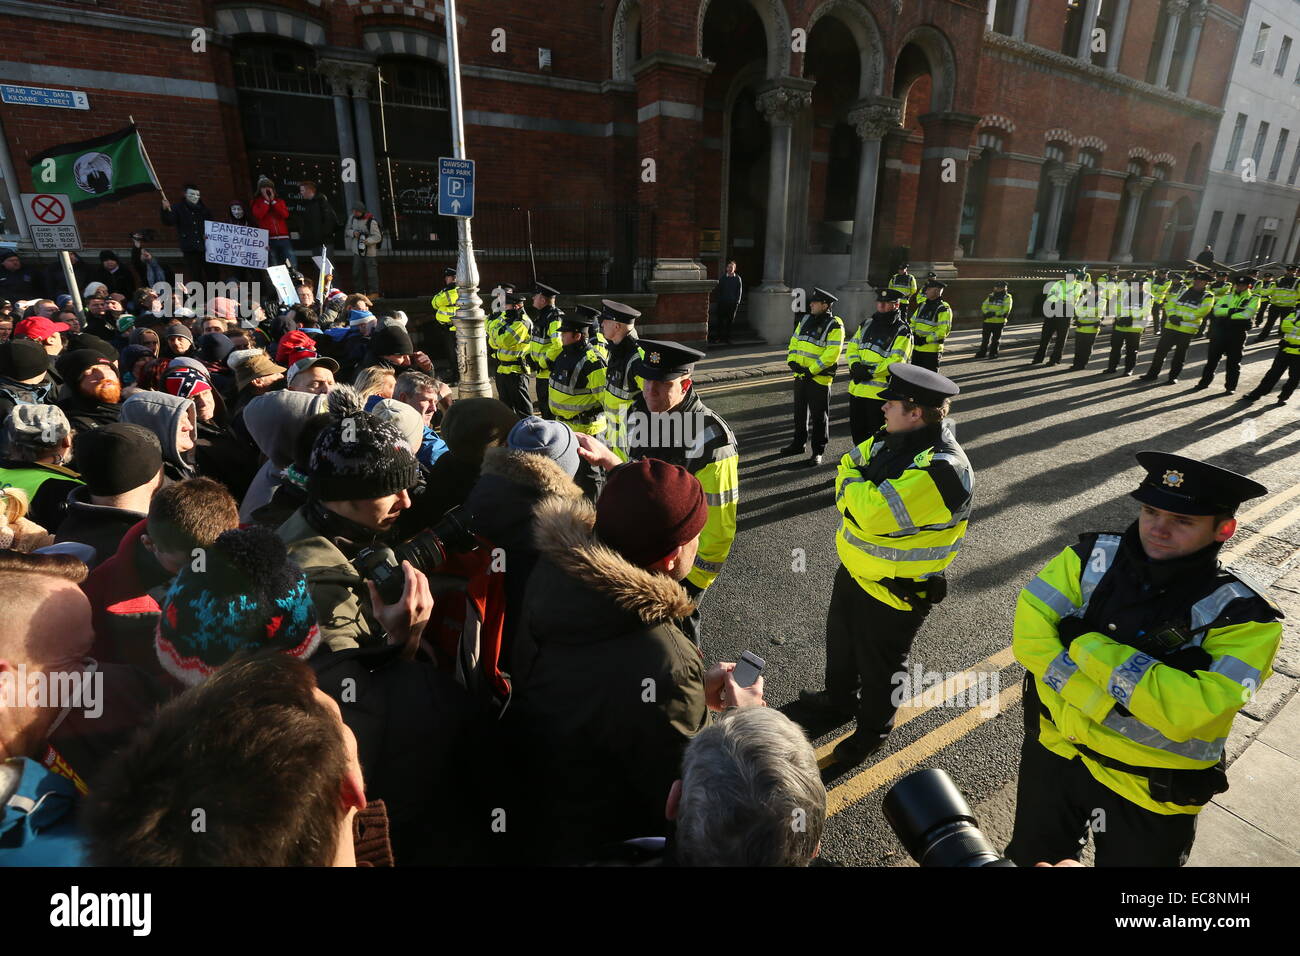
[228, 244]
[283, 282]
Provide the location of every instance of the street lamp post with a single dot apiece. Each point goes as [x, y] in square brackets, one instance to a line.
[469, 314]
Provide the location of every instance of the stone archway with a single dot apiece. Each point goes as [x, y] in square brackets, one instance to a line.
[776, 25]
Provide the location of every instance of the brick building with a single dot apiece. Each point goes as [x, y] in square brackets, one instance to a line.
[630, 146]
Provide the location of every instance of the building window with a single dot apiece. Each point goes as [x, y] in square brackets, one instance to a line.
[1003, 13]
[1278, 154]
[1295, 166]
[1054, 152]
[1074, 13]
[1216, 221]
[1235, 238]
[1261, 45]
[1234, 147]
[1283, 55]
[1257, 154]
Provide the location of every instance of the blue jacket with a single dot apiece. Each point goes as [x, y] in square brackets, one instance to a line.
[37, 822]
[432, 448]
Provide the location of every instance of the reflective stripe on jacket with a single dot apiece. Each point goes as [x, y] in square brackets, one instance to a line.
[509, 336]
[931, 323]
[1185, 313]
[816, 345]
[997, 309]
[879, 342]
[577, 379]
[444, 305]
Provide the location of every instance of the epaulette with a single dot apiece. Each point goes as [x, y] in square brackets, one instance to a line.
[1260, 591]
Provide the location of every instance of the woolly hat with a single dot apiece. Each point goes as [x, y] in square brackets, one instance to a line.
[359, 317]
[358, 456]
[246, 594]
[186, 378]
[222, 308]
[470, 425]
[21, 359]
[391, 340]
[214, 347]
[115, 458]
[125, 322]
[649, 507]
[406, 418]
[72, 365]
[178, 330]
[294, 346]
[127, 358]
[107, 254]
[553, 440]
[35, 425]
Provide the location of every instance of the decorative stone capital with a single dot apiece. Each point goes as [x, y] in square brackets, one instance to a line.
[782, 102]
[1138, 187]
[874, 118]
[1199, 13]
[1176, 8]
[1062, 175]
[347, 77]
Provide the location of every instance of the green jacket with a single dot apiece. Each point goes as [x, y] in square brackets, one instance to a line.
[335, 586]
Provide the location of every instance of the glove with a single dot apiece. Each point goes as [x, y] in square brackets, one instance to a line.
[1069, 628]
[795, 367]
[859, 373]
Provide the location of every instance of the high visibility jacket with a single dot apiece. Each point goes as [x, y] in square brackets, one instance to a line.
[905, 499]
[1290, 344]
[622, 386]
[906, 284]
[694, 437]
[1173, 711]
[816, 345]
[1133, 316]
[997, 308]
[30, 479]
[879, 342]
[1239, 307]
[545, 346]
[577, 379]
[1087, 315]
[1107, 296]
[444, 306]
[600, 344]
[1286, 293]
[1161, 290]
[1187, 312]
[931, 323]
[1222, 290]
[1062, 296]
[509, 336]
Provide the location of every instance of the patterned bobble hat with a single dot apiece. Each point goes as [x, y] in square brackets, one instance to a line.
[358, 455]
[243, 593]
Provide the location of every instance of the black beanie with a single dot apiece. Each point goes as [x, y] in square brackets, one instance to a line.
[115, 458]
[358, 455]
[22, 359]
[107, 254]
[72, 365]
[84, 340]
[391, 340]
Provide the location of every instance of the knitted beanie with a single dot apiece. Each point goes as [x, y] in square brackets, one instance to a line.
[391, 340]
[245, 593]
[649, 507]
[186, 377]
[358, 456]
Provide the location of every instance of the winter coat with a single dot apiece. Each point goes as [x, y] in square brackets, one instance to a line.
[38, 824]
[188, 221]
[594, 754]
[504, 505]
[446, 486]
[26, 283]
[161, 413]
[274, 422]
[223, 457]
[85, 413]
[52, 483]
[100, 526]
[364, 228]
[124, 280]
[318, 223]
[56, 284]
[289, 496]
[13, 392]
[272, 216]
[336, 587]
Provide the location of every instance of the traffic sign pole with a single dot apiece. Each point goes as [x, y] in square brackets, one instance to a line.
[469, 311]
[71, 278]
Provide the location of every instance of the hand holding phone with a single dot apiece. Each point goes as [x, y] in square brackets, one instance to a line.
[748, 669]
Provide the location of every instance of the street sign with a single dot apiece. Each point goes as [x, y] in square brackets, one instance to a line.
[49, 216]
[42, 96]
[455, 187]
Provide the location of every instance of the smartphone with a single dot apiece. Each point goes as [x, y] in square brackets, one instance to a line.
[748, 669]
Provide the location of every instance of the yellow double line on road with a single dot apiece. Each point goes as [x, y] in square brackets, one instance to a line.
[897, 764]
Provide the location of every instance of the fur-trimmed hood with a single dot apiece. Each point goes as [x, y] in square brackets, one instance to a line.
[565, 536]
[530, 470]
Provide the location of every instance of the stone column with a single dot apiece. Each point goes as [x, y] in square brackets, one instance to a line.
[1175, 10]
[885, 219]
[1115, 42]
[366, 142]
[872, 119]
[1022, 17]
[1136, 189]
[942, 190]
[1084, 49]
[1193, 44]
[1049, 248]
[339, 75]
[780, 103]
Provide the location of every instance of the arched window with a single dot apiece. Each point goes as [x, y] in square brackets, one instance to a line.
[1089, 159]
[412, 123]
[1055, 152]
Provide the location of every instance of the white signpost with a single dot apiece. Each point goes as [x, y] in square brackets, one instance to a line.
[228, 244]
[49, 216]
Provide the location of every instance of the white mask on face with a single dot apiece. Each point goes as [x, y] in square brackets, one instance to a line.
[237, 212]
[192, 197]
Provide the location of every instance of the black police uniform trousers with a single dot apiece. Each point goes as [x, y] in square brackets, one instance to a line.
[1158, 317]
[1178, 343]
[544, 399]
[1083, 343]
[512, 388]
[867, 644]
[1129, 343]
[866, 417]
[726, 316]
[812, 413]
[1281, 363]
[1227, 338]
[1057, 327]
[1058, 801]
[990, 336]
[928, 360]
[1275, 314]
[451, 351]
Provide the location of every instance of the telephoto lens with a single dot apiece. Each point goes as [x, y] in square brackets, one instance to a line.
[934, 823]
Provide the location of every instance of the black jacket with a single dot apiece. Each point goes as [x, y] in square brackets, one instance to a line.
[188, 221]
[49, 505]
[86, 413]
[56, 284]
[318, 223]
[124, 280]
[99, 526]
[26, 283]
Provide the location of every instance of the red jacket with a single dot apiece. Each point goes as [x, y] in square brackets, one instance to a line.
[272, 216]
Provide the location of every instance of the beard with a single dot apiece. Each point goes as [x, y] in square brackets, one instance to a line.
[107, 391]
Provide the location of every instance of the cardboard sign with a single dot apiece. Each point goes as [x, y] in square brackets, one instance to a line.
[231, 245]
[283, 282]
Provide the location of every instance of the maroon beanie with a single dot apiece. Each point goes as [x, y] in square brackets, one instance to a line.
[648, 508]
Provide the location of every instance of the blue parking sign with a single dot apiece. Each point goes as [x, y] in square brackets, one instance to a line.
[455, 187]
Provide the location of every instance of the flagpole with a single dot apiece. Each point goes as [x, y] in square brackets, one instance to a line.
[148, 162]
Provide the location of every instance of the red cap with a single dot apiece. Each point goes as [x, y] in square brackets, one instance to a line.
[293, 346]
[38, 327]
[648, 508]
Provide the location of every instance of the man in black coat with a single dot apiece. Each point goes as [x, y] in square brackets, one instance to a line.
[17, 281]
[188, 218]
[318, 223]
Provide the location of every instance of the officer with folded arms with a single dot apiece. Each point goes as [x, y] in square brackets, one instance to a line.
[1140, 649]
[905, 497]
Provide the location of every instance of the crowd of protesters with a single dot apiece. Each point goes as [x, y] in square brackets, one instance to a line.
[343, 617]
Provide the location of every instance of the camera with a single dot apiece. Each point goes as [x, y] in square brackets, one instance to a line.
[427, 552]
[932, 820]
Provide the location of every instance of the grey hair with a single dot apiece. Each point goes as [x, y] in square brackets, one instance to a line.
[410, 384]
[751, 794]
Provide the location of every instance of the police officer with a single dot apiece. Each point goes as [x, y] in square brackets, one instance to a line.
[1282, 299]
[1130, 320]
[1286, 360]
[577, 380]
[996, 309]
[1140, 649]
[905, 496]
[904, 283]
[1161, 284]
[444, 314]
[509, 335]
[1232, 317]
[931, 323]
[1184, 316]
[1087, 322]
[815, 349]
[882, 340]
[622, 384]
[669, 421]
[545, 346]
[1062, 299]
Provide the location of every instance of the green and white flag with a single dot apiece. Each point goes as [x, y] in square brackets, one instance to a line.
[97, 170]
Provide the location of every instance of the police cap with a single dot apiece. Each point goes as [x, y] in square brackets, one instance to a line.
[889, 295]
[540, 288]
[821, 295]
[1243, 278]
[449, 271]
[1186, 486]
[665, 360]
[588, 314]
[1000, 283]
[935, 283]
[515, 298]
[618, 312]
[920, 386]
[577, 323]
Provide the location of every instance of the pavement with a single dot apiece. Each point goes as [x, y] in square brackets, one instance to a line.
[1042, 477]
